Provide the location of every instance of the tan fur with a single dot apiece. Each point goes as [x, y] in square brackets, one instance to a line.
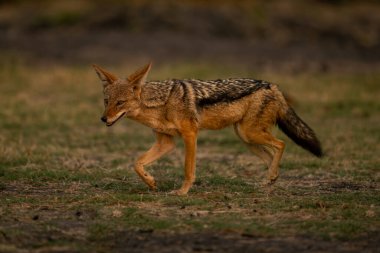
[173, 108]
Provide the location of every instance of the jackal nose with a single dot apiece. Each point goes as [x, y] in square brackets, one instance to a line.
[104, 119]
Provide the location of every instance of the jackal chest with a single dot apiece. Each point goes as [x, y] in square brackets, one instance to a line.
[168, 131]
[164, 128]
[158, 125]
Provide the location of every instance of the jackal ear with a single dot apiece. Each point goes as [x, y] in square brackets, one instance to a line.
[139, 77]
[106, 77]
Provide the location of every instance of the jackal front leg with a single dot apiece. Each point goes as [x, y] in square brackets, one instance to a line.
[164, 144]
[190, 140]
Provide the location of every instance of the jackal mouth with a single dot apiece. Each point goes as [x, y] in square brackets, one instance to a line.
[113, 122]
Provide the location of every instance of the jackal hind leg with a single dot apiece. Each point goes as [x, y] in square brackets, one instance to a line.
[164, 144]
[262, 152]
[259, 140]
[259, 150]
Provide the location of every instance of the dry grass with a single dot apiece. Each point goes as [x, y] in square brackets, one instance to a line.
[66, 181]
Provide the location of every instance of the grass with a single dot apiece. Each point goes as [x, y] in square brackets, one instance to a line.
[60, 164]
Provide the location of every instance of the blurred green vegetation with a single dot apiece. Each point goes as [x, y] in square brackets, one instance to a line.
[348, 22]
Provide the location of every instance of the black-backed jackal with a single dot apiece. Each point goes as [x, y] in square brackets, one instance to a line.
[183, 107]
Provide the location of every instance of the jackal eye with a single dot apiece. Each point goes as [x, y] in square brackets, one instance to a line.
[120, 102]
[106, 101]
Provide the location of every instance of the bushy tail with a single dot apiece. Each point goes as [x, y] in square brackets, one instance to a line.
[297, 130]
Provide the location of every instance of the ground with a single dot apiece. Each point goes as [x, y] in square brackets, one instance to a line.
[67, 182]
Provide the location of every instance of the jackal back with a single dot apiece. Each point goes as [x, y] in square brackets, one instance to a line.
[203, 93]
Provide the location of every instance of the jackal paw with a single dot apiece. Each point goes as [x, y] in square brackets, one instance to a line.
[179, 192]
[152, 184]
[270, 180]
[272, 177]
[153, 187]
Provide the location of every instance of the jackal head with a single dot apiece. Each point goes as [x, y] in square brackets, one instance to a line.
[121, 95]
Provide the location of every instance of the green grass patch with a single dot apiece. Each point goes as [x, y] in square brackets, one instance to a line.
[56, 158]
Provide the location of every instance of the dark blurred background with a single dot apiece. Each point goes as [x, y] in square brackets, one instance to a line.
[295, 36]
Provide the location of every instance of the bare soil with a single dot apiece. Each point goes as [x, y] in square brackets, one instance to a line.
[62, 228]
[143, 242]
[150, 241]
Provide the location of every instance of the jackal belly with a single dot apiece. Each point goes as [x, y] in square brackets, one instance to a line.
[222, 115]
